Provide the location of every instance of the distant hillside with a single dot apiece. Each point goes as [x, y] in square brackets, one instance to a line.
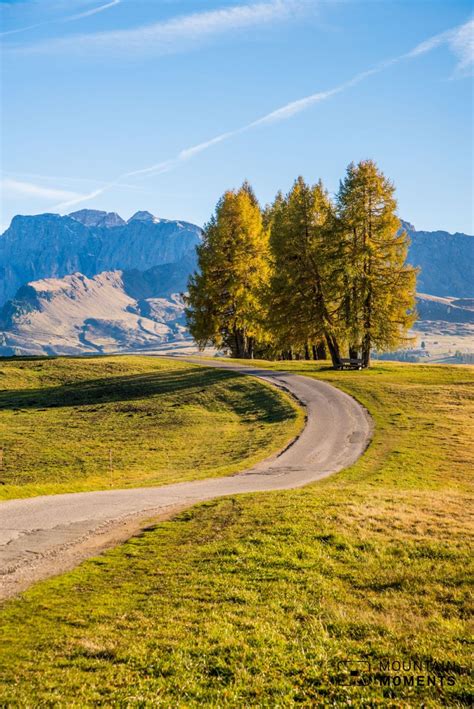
[431, 307]
[88, 242]
[113, 311]
[446, 261]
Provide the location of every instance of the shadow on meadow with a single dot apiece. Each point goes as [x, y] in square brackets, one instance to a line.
[114, 389]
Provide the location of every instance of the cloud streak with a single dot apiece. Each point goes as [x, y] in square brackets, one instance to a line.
[13, 188]
[460, 40]
[456, 39]
[69, 18]
[17, 188]
[461, 43]
[171, 35]
[62, 178]
[94, 11]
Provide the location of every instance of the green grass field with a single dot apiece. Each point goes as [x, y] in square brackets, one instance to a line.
[69, 425]
[253, 601]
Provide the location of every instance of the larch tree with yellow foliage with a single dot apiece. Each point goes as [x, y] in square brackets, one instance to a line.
[379, 286]
[304, 291]
[224, 305]
[306, 272]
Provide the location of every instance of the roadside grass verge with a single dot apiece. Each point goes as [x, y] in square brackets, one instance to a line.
[255, 600]
[70, 425]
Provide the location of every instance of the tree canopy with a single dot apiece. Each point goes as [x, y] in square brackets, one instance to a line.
[306, 272]
[225, 296]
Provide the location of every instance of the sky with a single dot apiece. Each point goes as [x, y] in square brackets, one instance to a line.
[162, 105]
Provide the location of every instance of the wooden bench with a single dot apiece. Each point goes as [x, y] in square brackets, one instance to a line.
[351, 364]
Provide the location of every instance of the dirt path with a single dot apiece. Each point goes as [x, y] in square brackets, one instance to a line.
[44, 536]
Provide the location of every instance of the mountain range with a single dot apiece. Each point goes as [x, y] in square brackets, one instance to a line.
[446, 261]
[91, 282]
[88, 242]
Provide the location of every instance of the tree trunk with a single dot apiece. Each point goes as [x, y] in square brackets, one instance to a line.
[367, 339]
[250, 347]
[334, 351]
[234, 347]
[238, 348]
[306, 351]
[241, 344]
[353, 352]
[366, 351]
[321, 350]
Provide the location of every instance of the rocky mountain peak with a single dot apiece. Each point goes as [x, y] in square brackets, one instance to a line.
[96, 217]
[112, 219]
[144, 217]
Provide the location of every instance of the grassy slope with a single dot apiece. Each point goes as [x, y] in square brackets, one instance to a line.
[252, 600]
[164, 421]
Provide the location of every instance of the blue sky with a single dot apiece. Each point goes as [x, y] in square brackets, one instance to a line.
[163, 104]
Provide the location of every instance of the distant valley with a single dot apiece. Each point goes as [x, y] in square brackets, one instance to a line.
[91, 282]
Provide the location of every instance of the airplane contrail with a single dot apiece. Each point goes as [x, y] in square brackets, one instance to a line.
[280, 114]
[69, 18]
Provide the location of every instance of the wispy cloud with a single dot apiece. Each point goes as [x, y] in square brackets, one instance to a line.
[67, 179]
[11, 188]
[15, 188]
[461, 42]
[94, 11]
[177, 33]
[294, 107]
[68, 18]
[454, 38]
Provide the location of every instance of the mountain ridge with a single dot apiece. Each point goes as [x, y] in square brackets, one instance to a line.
[92, 282]
[446, 261]
[51, 245]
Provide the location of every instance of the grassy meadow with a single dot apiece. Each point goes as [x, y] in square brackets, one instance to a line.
[258, 600]
[70, 425]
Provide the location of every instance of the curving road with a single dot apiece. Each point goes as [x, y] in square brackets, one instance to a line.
[44, 536]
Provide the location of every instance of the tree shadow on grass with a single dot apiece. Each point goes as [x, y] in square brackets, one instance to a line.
[188, 383]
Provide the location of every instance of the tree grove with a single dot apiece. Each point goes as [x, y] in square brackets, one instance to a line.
[305, 273]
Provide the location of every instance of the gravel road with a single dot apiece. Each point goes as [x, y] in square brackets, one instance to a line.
[44, 536]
